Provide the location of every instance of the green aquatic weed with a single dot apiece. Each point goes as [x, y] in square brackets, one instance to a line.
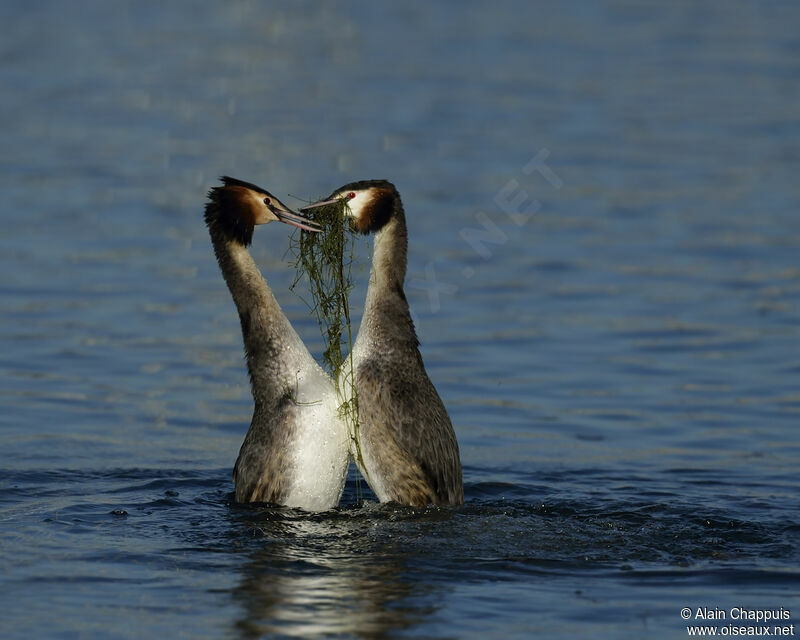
[326, 260]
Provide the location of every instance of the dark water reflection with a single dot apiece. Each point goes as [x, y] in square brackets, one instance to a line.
[328, 567]
[606, 545]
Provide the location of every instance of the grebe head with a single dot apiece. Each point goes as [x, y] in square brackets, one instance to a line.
[237, 206]
[370, 204]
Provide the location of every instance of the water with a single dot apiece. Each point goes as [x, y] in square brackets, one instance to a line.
[620, 357]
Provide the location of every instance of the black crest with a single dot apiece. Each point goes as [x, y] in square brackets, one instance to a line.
[229, 213]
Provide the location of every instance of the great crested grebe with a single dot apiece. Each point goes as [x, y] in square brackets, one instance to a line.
[296, 452]
[408, 449]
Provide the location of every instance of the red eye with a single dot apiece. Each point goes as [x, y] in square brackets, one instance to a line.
[267, 201]
[351, 195]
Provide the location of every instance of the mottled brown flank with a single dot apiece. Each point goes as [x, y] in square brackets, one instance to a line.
[407, 432]
[377, 212]
[265, 487]
[263, 469]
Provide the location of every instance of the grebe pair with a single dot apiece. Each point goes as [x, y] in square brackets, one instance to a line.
[296, 452]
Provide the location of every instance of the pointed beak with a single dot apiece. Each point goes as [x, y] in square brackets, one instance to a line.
[321, 203]
[295, 219]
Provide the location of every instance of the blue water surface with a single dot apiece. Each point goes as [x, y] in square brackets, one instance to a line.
[604, 271]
